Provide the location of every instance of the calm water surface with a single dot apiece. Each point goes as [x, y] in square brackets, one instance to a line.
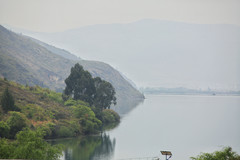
[185, 125]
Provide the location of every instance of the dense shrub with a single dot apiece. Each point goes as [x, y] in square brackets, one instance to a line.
[75, 127]
[48, 129]
[90, 126]
[29, 145]
[64, 131]
[64, 128]
[37, 113]
[87, 119]
[81, 111]
[225, 154]
[4, 129]
[46, 93]
[71, 102]
[6, 149]
[110, 116]
[16, 121]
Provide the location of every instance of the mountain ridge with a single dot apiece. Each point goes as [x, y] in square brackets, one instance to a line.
[34, 64]
[193, 55]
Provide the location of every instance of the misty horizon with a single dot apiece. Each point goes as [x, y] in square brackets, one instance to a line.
[187, 50]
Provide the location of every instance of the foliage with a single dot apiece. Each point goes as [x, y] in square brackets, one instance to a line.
[17, 121]
[48, 129]
[6, 149]
[225, 154]
[90, 126]
[4, 129]
[87, 119]
[46, 93]
[81, 111]
[7, 101]
[64, 132]
[81, 86]
[71, 102]
[29, 145]
[105, 94]
[61, 129]
[110, 116]
[51, 115]
[36, 112]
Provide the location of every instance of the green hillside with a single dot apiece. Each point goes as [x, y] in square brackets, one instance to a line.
[41, 107]
[27, 62]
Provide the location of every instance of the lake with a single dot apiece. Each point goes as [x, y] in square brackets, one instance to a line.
[185, 125]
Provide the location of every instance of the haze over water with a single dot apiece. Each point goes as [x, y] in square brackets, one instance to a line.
[155, 43]
[185, 125]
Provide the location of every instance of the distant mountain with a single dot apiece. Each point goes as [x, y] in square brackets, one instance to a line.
[23, 60]
[160, 53]
[185, 91]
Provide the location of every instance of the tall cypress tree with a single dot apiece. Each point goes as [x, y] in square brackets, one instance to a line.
[7, 101]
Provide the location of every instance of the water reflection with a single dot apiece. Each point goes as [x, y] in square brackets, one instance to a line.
[87, 148]
[125, 106]
[185, 125]
[105, 150]
[100, 147]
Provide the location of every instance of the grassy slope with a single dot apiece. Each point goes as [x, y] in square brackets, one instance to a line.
[45, 108]
[33, 100]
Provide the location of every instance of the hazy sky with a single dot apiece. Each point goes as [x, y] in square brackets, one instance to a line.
[59, 15]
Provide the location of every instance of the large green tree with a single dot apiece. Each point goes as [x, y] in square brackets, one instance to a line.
[80, 84]
[225, 154]
[105, 94]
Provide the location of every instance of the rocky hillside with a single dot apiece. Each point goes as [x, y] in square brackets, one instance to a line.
[27, 62]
